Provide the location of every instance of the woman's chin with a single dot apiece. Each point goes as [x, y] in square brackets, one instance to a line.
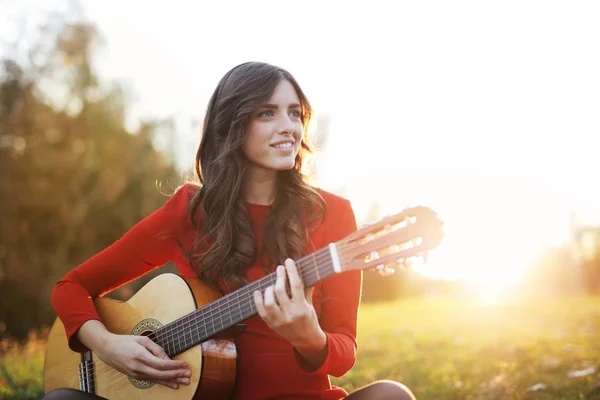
[284, 165]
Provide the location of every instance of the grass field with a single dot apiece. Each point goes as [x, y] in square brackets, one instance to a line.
[441, 349]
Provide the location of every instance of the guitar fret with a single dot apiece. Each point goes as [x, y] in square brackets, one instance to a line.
[230, 316]
[239, 305]
[179, 336]
[178, 340]
[173, 339]
[251, 302]
[169, 349]
[196, 331]
[213, 324]
[192, 324]
[316, 266]
[187, 324]
[220, 315]
[235, 306]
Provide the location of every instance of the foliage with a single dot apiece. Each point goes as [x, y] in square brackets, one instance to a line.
[22, 367]
[72, 177]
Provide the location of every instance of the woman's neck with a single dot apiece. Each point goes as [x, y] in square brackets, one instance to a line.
[260, 186]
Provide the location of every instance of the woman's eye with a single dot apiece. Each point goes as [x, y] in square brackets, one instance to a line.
[266, 113]
[296, 113]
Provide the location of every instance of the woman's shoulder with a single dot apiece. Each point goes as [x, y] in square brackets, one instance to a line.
[173, 215]
[339, 220]
[336, 203]
[179, 198]
[331, 197]
[186, 190]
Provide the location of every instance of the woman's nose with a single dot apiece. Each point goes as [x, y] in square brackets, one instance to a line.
[286, 126]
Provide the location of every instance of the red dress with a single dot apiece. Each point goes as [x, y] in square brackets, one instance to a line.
[267, 366]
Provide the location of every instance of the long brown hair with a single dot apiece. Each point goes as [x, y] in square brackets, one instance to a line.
[223, 223]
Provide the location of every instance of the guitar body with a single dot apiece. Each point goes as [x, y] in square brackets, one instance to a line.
[161, 301]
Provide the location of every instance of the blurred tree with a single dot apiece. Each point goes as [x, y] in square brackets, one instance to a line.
[570, 268]
[553, 273]
[586, 253]
[72, 178]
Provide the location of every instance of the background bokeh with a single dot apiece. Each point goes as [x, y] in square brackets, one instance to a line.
[486, 112]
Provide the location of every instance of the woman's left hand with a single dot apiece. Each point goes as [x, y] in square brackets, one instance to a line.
[291, 316]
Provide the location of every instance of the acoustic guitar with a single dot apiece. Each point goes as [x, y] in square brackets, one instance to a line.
[192, 321]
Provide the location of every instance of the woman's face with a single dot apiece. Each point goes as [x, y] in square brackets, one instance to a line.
[275, 131]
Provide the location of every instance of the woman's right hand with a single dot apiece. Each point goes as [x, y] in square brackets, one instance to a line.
[140, 358]
[136, 356]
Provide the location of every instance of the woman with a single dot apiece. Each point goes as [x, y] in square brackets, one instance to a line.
[250, 213]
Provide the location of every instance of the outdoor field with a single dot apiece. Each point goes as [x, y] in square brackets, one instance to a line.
[441, 349]
[216, 139]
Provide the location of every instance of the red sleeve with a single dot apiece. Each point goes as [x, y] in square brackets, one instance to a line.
[341, 294]
[147, 245]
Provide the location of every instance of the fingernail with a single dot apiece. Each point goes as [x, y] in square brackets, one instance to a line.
[174, 386]
[280, 269]
[187, 373]
[185, 381]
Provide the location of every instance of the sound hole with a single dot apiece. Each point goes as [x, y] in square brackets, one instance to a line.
[144, 328]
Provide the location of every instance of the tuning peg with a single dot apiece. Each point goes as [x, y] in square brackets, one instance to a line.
[414, 261]
[384, 270]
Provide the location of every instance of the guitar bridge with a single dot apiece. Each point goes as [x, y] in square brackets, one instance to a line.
[86, 373]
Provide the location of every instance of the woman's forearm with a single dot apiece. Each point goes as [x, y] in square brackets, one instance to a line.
[93, 334]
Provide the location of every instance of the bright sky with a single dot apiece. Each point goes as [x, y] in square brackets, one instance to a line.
[486, 111]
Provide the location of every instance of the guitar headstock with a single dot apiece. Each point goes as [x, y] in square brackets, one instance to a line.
[390, 242]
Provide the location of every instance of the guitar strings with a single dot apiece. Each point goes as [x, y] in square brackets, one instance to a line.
[114, 373]
[210, 308]
[200, 316]
[209, 314]
[215, 306]
[267, 280]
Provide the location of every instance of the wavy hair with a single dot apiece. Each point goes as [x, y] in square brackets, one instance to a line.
[225, 244]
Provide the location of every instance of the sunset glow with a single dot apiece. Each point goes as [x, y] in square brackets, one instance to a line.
[491, 127]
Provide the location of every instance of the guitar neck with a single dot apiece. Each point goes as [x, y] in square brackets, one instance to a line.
[231, 309]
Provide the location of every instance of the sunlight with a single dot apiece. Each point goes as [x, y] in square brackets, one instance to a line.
[493, 229]
[489, 297]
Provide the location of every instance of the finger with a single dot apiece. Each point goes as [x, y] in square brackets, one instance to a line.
[169, 384]
[259, 304]
[158, 375]
[157, 358]
[183, 381]
[280, 291]
[296, 285]
[174, 382]
[270, 301]
[153, 347]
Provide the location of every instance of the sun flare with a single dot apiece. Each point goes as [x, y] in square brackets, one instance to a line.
[491, 237]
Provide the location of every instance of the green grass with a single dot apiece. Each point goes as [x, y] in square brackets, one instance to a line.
[21, 369]
[450, 349]
[441, 349]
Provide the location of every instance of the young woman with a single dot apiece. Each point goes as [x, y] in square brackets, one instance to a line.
[251, 212]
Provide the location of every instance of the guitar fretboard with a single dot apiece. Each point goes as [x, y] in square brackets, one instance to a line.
[231, 309]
